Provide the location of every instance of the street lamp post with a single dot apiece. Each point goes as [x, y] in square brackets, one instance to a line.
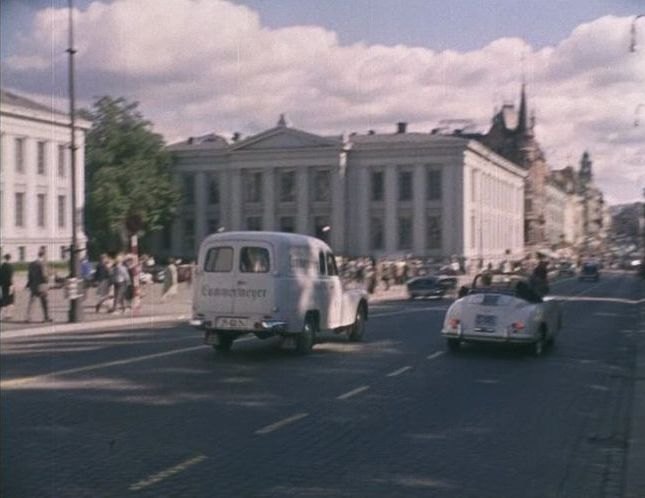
[75, 305]
[632, 44]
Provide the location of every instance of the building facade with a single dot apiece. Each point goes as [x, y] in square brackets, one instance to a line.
[35, 179]
[375, 195]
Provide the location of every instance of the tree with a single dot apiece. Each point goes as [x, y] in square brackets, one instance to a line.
[128, 179]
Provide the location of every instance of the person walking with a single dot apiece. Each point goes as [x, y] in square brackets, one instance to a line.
[6, 286]
[540, 277]
[169, 280]
[121, 281]
[38, 285]
[103, 281]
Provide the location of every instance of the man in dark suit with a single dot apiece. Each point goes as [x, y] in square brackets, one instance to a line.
[6, 284]
[37, 283]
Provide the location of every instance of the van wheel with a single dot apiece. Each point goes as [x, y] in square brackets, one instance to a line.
[225, 343]
[453, 345]
[357, 329]
[305, 339]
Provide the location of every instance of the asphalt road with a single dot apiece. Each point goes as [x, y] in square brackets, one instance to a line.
[156, 413]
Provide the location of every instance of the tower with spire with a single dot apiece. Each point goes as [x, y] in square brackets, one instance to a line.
[512, 135]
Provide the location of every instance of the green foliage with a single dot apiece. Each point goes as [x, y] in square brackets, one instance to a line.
[127, 175]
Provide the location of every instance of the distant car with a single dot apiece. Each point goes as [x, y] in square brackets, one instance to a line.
[589, 271]
[506, 311]
[566, 269]
[431, 287]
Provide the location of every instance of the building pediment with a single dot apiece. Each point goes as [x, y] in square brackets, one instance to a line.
[281, 137]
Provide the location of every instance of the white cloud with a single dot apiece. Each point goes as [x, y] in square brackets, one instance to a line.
[202, 65]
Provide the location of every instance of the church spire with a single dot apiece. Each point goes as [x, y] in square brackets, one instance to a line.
[523, 117]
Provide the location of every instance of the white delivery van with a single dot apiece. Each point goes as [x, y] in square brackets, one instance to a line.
[272, 283]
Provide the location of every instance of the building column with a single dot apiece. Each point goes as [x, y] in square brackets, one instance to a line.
[236, 201]
[302, 201]
[200, 186]
[361, 218]
[268, 199]
[391, 214]
[419, 211]
[338, 219]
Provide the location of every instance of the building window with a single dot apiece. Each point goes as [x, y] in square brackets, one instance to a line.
[189, 235]
[252, 184]
[63, 252]
[287, 224]
[321, 186]
[528, 205]
[254, 223]
[20, 209]
[22, 253]
[41, 148]
[41, 200]
[377, 186]
[434, 231]
[189, 189]
[321, 227]
[20, 155]
[405, 232]
[405, 186]
[61, 161]
[287, 187]
[377, 240]
[61, 211]
[212, 225]
[434, 185]
[213, 190]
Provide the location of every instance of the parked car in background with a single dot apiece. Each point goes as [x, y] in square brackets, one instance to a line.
[426, 286]
[566, 269]
[589, 271]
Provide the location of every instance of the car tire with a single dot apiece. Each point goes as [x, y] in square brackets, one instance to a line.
[306, 339]
[225, 343]
[538, 346]
[453, 345]
[357, 329]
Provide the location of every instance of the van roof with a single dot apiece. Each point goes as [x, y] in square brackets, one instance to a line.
[279, 237]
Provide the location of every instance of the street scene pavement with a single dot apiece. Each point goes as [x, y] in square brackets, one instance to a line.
[140, 410]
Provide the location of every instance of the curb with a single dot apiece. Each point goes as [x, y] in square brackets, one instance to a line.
[93, 326]
[634, 475]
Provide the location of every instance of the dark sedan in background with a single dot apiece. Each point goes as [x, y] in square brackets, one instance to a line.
[589, 271]
[428, 286]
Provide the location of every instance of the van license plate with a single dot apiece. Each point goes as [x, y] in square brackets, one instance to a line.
[232, 323]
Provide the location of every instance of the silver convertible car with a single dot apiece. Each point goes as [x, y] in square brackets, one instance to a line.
[502, 309]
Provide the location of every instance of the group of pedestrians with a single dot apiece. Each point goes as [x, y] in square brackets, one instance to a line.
[117, 281]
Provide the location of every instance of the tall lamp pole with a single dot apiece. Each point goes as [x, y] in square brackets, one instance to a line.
[75, 304]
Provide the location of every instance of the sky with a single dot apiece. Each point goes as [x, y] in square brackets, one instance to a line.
[342, 66]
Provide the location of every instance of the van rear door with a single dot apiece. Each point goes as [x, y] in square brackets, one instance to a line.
[255, 278]
[215, 296]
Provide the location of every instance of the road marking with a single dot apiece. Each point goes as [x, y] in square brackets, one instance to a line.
[160, 476]
[404, 312]
[607, 314]
[353, 392]
[434, 355]
[399, 371]
[7, 384]
[281, 423]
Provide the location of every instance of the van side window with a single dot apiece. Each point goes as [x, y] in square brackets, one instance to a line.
[219, 260]
[321, 263]
[332, 269]
[254, 260]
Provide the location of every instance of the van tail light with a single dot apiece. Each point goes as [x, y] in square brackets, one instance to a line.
[454, 323]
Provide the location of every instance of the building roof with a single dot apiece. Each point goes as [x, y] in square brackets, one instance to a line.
[12, 99]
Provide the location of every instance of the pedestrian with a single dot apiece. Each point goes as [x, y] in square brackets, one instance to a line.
[133, 291]
[120, 280]
[103, 281]
[38, 285]
[540, 277]
[169, 280]
[6, 286]
[86, 272]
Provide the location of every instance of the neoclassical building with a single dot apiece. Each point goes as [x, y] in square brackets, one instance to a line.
[374, 194]
[35, 179]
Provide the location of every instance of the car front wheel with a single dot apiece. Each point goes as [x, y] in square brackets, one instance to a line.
[306, 339]
[358, 328]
